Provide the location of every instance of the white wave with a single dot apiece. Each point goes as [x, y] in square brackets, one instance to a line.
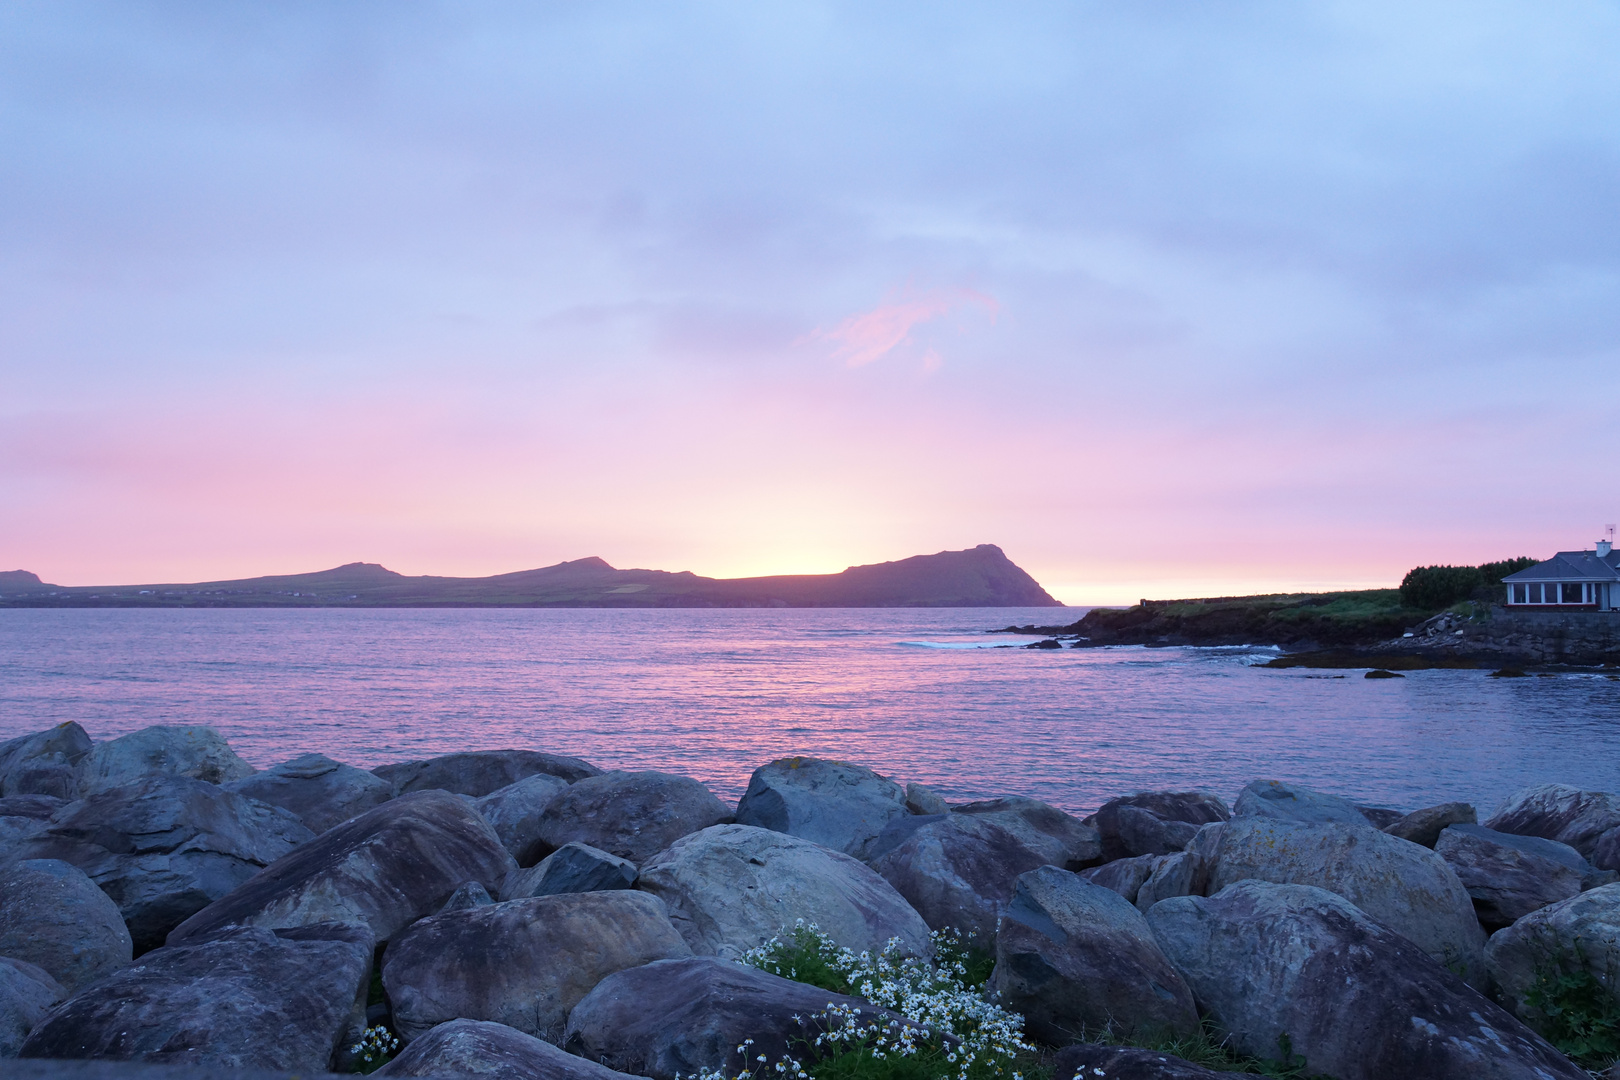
[1003, 643]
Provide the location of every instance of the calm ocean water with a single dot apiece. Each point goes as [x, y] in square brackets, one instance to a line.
[713, 694]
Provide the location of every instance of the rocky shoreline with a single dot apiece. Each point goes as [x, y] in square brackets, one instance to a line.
[167, 911]
[1477, 635]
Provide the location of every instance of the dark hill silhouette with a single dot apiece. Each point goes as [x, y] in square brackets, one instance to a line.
[978, 577]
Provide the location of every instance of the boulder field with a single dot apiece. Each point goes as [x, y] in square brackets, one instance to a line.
[168, 912]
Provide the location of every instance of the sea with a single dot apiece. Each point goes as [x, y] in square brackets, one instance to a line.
[922, 695]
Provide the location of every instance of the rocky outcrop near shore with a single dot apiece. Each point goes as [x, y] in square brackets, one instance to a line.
[676, 1018]
[731, 888]
[247, 998]
[383, 870]
[522, 963]
[164, 846]
[1297, 970]
[532, 917]
[486, 1049]
[1073, 956]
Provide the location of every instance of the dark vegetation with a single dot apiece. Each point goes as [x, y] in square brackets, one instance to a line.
[1319, 620]
[1582, 1017]
[1213, 1051]
[1434, 588]
[804, 958]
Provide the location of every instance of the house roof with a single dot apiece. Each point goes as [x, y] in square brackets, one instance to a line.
[1573, 566]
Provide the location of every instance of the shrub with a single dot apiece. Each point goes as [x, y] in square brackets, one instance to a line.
[1434, 587]
[955, 1031]
[1214, 1051]
[1494, 572]
[1580, 1014]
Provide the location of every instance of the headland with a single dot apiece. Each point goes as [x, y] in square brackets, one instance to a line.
[982, 576]
[1439, 617]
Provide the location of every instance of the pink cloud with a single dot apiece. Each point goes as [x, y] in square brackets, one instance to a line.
[861, 339]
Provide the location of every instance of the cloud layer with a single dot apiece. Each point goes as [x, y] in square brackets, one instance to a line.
[1161, 298]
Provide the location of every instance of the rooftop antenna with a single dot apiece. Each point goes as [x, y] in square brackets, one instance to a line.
[1610, 529]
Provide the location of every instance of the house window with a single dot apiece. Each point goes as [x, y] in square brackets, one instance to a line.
[1521, 594]
[1572, 593]
[1535, 593]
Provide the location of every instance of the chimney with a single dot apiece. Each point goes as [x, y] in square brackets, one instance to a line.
[1603, 549]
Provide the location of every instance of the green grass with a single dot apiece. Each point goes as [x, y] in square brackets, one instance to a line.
[1337, 619]
[803, 956]
[802, 959]
[1580, 1015]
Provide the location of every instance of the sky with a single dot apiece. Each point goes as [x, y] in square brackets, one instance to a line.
[1165, 299]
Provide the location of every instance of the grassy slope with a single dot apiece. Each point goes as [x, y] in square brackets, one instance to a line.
[1324, 620]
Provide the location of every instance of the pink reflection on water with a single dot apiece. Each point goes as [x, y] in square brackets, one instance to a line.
[713, 694]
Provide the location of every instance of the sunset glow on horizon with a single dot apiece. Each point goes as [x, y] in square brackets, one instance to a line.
[1163, 300]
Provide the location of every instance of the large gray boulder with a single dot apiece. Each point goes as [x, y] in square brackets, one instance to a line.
[837, 805]
[68, 1069]
[732, 887]
[522, 963]
[1510, 876]
[571, 868]
[249, 998]
[1578, 937]
[922, 799]
[469, 894]
[384, 869]
[1605, 850]
[1181, 874]
[1075, 957]
[483, 1048]
[165, 846]
[200, 753]
[45, 762]
[1207, 841]
[1283, 801]
[1558, 812]
[1092, 1061]
[322, 792]
[52, 915]
[677, 1017]
[634, 815]
[1408, 888]
[1424, 826]
[27, 994]
[958, 870]
[1061, 839]
[516, 812]
[1124, 876]
[1154, 822]
[1380, 817]
[23, 817]
[1294, 969]
[479, 772]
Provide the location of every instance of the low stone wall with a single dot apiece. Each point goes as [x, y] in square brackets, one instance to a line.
[1542, 637]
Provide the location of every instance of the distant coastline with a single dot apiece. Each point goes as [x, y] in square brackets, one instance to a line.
[1371, 628]
[1294, 621]
[982, 576]
[1439, 617]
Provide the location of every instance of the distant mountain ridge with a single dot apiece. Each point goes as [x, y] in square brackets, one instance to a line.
[982, 576]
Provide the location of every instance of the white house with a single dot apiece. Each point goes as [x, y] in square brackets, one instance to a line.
[1570, 580]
